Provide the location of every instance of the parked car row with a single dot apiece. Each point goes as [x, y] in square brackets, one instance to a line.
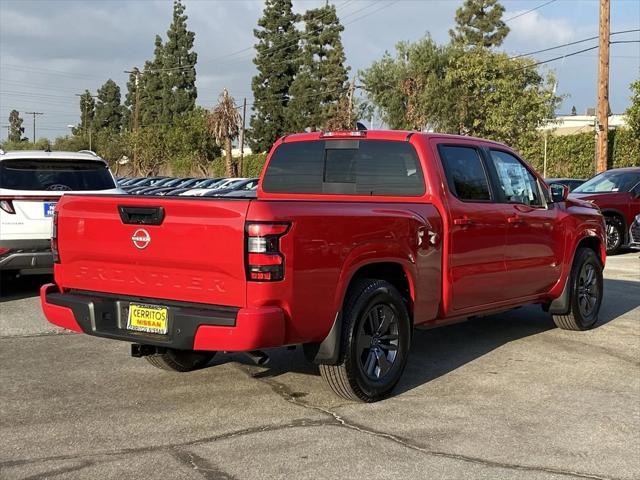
[189, 186]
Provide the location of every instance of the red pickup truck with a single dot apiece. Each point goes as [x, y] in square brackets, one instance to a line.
[355, 238]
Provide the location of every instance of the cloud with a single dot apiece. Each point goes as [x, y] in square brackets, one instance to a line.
[51, 50]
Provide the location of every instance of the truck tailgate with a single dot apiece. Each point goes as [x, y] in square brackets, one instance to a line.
[195, 253]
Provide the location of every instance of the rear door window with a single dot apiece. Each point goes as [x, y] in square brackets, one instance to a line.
[345, 167]
[466, 176]
[54, 175]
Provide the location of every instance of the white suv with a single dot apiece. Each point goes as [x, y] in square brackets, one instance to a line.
[31, 182]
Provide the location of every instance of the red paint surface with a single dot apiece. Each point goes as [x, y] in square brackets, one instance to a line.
[455, 268]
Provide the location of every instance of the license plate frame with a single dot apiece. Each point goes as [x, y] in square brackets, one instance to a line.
[146, 318]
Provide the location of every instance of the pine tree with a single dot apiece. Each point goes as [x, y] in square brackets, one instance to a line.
[277, 57]
[152, 88]
[574, 112]
[15, 127]
[87, 111]
[322, 78]
[108, 114]
[224, 123]
[128, 111]
[179, 73]
[479, 23]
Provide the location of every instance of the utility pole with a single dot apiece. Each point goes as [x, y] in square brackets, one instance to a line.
[8, 127]
[603, 87]
[244, 115]
[34, 122]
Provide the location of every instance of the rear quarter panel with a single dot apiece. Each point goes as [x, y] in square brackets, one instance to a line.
[326, 245]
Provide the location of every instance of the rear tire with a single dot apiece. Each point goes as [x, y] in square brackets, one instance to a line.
[615, 234]
[376, 334]
[180, 360]
[586, 287]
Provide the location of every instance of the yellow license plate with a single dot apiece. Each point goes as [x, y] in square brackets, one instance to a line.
[148, 318]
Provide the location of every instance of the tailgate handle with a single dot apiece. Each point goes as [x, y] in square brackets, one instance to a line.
[141, 215]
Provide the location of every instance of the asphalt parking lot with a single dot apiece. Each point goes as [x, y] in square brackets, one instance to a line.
[507, 396]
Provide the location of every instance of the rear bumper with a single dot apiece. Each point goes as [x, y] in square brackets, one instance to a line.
[26, 255]
[191, 326]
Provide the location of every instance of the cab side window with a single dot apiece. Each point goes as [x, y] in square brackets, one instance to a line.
[516, 183]
[466, 176]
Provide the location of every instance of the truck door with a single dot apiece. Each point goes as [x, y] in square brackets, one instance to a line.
[535, 237]
[476, 233]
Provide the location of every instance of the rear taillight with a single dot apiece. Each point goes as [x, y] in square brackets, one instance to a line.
[54, 238]
[4, 250]
[265, 261]
[7, 206]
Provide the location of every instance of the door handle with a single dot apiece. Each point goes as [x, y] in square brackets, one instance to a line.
[515, 220]
[462, 221]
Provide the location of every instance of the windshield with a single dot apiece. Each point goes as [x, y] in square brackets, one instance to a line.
[55, 175]
[609, 182]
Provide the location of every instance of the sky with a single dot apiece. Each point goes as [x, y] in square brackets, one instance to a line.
[51, 50]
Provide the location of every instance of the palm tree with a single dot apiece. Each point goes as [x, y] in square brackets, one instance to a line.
[224, 124]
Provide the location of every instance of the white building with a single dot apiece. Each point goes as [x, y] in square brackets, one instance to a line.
[572, 124]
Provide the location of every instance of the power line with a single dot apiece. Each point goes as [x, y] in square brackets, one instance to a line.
[568, 55]
[529, 11]
[572, 43]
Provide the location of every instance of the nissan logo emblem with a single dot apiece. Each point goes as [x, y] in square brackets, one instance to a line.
[141, 238]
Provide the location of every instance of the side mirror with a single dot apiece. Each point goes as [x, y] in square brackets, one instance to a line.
[559, 192]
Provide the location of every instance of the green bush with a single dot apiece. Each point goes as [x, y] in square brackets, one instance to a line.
[574, 155]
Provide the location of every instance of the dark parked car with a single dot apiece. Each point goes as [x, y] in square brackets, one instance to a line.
[634, 233]
[240, 185]
[617, 193]
[167, 182]
[144, 183]
[572, 183]
[203, 183]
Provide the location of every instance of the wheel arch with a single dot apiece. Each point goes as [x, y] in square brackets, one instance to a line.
[395, 271]
[612, 212]
[560, 305]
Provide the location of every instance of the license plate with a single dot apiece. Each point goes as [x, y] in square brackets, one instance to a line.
[148, 318]
[49, 207]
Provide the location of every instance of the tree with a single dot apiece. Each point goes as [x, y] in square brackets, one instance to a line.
[224, 126]
[277, 58]
[322, 78]
[108, 113]
[179, 72]
[454, 90]
[574, 112]
[344, 116]
[633, 112]
[15, 127]
[152, 88]
[87, 112]
[394, 84]
[134, 86]
[479, 23]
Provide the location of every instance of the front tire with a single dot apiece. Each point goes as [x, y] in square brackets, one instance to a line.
[615, 235]
[376, 334]
[586, 286]
[180, 360]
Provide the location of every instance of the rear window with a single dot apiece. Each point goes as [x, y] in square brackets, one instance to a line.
[465, 174]
[55, 175]
[345, 167]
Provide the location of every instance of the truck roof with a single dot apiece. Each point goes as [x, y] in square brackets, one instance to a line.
[379, 135]
[42, 155]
